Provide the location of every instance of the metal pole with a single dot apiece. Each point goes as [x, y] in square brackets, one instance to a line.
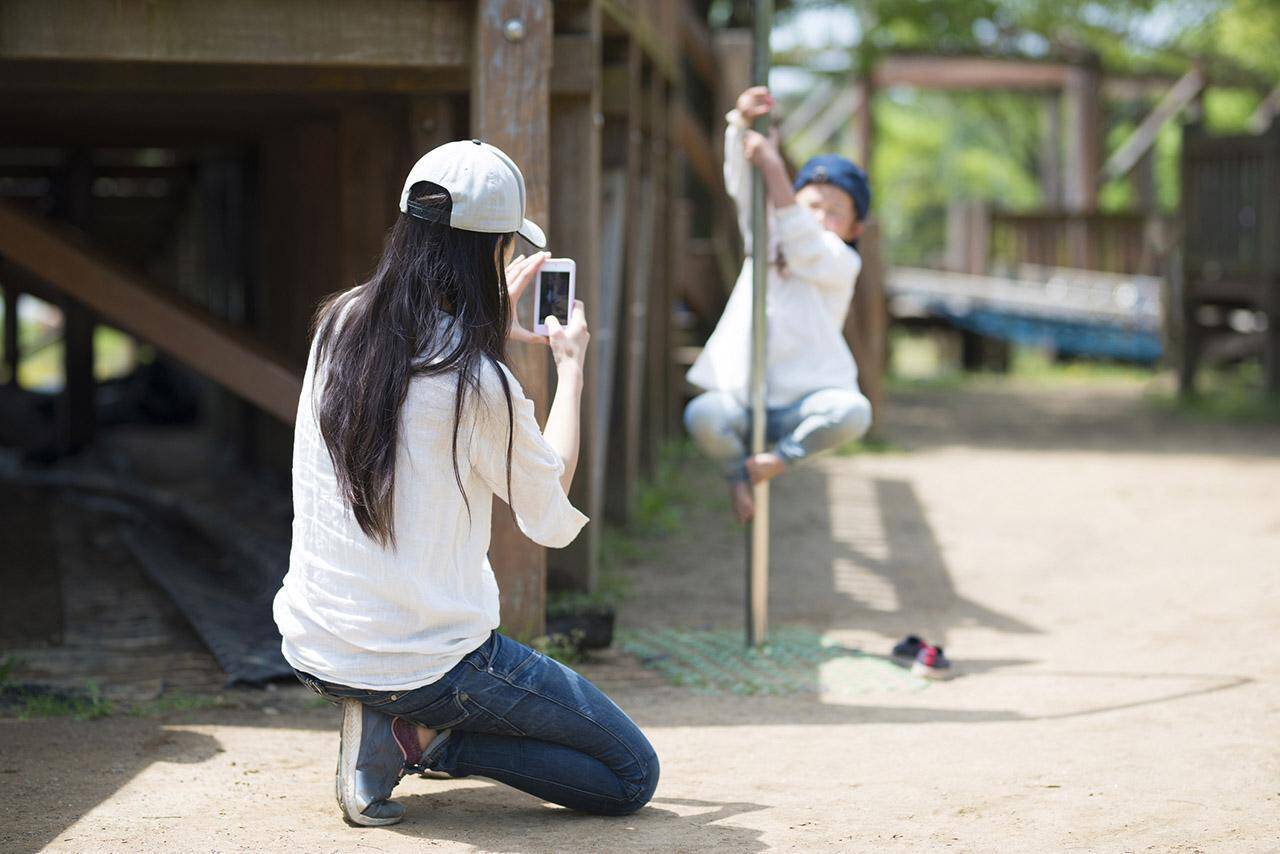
[758, 528]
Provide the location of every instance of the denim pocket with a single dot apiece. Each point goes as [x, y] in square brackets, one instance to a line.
[445, 712]
[480, 719]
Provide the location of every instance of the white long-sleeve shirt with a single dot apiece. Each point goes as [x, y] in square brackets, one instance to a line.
[355, 614]
[808, 299]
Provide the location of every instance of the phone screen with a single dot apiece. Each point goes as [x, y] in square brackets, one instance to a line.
[554, 296]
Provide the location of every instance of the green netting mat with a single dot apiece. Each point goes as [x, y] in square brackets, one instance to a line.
[795, 660]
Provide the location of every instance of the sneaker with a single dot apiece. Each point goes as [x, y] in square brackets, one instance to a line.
[909, 647]
[931, 664]
[371, 761]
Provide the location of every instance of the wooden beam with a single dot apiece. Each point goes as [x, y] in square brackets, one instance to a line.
[212, 348]
[509, 108]
[625, 17]
[104, 77]
[575, 227]
[970, 72]
[1144, 136]
[288, 32]
[839, 114]
[696, 145]
[698, 47]
[1266, 111]
[815, 103]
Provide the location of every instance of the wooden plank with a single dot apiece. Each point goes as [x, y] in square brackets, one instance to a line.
[970, 72]
[698, 47]
[576, 228]
[102, 77]
[575, 64]
[285, 32]
[733, 48]
[212, 348]
[640, 28]
[697, 147]
[373, 160]
[509, 108]
[1144, 136]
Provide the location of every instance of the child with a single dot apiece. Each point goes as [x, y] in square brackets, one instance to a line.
[812, 398]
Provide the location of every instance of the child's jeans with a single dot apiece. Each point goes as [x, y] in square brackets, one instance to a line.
[820, 421]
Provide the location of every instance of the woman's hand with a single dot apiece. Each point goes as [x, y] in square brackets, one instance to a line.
[569, 342]
[520, 272]
[754, 103]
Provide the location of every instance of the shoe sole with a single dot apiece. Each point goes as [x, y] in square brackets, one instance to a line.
[345, 781]
[935, 673]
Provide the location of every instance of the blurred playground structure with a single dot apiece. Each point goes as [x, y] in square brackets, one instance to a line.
[181, 183]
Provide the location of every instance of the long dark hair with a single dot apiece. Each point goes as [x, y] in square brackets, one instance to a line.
[392, 331]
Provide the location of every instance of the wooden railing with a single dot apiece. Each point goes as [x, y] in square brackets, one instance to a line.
[1114, 243]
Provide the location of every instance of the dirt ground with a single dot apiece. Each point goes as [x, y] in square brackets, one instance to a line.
[1106, 577]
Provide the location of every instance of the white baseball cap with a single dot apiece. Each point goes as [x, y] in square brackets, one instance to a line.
[484, 184]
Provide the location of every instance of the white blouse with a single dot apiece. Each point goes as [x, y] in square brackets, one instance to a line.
[355, 614]
[808, 299]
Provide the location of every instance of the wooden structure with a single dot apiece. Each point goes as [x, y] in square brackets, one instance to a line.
[1231, 247]
[202, 175]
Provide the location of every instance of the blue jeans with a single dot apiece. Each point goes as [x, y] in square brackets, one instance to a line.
[516, 716]
[818, 422]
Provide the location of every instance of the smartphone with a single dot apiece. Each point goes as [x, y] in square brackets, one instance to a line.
[554, 293]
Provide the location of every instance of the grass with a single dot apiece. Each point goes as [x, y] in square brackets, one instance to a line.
[26, 701]
[168, 704]
[34, 701]
[1230, 396]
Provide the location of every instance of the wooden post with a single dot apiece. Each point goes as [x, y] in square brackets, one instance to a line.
[1051, 150]
[575, 229]
[866, 327]
[1084, 146]
[511, 63]
[77, 413]
[658, 350]
[372, 164]
[624, 455]
[12, 354]
[865, 121]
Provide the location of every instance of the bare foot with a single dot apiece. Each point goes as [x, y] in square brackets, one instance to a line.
[744, 506]
[765, 466]
[425, 737]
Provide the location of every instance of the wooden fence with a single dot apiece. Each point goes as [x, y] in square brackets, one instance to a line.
[1231, 245]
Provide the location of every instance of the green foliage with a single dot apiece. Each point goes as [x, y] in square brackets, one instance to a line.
[932, 147]
[565, 649]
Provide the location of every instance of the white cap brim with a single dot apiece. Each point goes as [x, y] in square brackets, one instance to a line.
[530, 231]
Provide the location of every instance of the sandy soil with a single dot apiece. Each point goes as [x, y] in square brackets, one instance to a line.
[1107, 579]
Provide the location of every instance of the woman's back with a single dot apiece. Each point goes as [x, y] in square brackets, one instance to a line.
[356, 613]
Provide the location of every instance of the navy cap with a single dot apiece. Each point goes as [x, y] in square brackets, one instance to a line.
[845, 174]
